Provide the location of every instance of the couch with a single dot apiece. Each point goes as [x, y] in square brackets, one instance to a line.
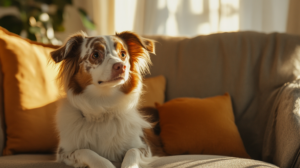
[260, 71]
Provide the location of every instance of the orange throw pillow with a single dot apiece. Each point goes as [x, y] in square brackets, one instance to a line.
[30, 95]
[200, 126]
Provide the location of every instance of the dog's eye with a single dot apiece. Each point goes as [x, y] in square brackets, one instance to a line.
[123, 54]
[95, 55]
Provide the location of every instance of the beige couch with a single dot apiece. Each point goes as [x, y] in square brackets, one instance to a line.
[259, 71]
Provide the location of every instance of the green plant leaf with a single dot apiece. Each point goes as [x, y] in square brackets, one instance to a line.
[34, 30]
[87, 22]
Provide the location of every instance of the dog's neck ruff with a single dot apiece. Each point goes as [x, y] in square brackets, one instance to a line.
[102, 117]
[103, 108]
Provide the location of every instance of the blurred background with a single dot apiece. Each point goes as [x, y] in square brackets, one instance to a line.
[52, 21]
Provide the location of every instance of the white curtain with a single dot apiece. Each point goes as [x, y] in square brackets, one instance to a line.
[193, 17]
[104, 16]
[264, 15]
[189, 17]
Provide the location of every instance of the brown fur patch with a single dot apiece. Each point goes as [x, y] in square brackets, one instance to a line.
[154, 142]
[61, 150]
[70, 48]
[152, 116]
[80, 81]
[88, 68]
[100, 49]
[89, 39]
[120, 49]
[152, 138]
[98, 40]
[149, 45]
[71, 74]
[132, 83]
[70, 59]
[139, 59]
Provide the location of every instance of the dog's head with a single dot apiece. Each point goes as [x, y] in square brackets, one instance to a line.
[103, 61]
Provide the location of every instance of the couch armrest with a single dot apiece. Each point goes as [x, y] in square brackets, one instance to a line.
[282, 137]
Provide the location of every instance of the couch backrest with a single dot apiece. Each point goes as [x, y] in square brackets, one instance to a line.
[250, 66]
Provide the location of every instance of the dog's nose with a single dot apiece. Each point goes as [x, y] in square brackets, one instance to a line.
[119, 67]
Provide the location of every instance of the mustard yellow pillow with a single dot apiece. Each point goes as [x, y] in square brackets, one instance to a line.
[30, 95]
[200, 126]
[154, 91]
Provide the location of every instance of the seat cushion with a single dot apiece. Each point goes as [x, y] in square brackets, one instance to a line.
[193, 161]
[181, 161]
[30, 161]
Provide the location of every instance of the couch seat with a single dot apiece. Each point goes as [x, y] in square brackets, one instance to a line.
[182, 161]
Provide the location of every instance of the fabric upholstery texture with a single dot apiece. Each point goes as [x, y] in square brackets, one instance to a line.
[30, 95]
[282, 134]
[208, 161]
[250, 66]
[154, 91]
[183, 161]
[200, 126]
[30, 161]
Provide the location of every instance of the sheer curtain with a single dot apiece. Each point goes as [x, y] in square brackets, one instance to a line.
[264, 15]
[103, 14]
[190, 17]
[293, 23]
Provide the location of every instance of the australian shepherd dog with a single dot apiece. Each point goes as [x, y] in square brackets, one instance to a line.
[98, 120]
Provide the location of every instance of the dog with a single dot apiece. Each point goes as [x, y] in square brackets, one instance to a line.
[98, 120]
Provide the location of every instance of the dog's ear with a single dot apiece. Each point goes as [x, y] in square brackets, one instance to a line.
[65, 51]
[139, 49]
[132, 39]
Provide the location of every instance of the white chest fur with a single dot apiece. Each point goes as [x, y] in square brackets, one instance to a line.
[109, 134]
